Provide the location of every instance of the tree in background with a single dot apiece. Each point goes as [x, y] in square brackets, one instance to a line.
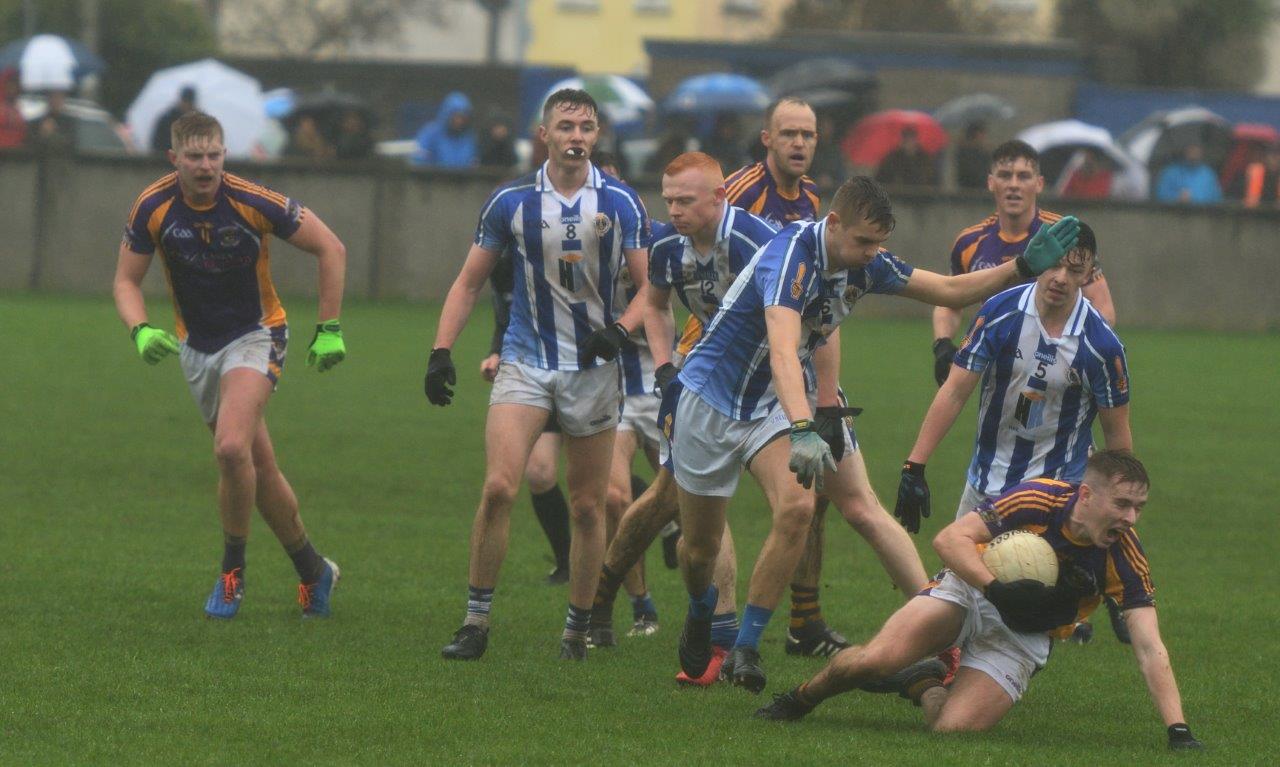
[1172, 43]
[135, 37]
[311, 28]
[935, 16]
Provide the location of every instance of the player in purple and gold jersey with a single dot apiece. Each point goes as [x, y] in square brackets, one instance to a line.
[211, 230]
[1006, 629]
[776, 188]
[1015, 182]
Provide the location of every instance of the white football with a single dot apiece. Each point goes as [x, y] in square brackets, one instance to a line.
[1018, 555]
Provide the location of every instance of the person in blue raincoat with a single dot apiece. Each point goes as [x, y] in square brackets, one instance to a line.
[448, 141]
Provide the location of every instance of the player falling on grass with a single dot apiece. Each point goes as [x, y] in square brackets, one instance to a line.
[1049, 364]
[211, 230]
[743, 387]
[1006, 629]
[697, 256]
[573, 229]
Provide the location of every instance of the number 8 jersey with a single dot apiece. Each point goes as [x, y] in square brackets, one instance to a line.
[567, 255]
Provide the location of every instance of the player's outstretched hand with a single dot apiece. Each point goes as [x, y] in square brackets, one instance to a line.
[327, 348]
[604, 343]
[1181, 739]
[662, 378]
[441, 374]
[913, 497]
[153, 344]
[1048, 246]
[944, 353]
[829, 423]
[810, 456]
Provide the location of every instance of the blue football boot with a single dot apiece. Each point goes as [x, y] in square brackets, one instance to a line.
[314, 597]
[224, 602]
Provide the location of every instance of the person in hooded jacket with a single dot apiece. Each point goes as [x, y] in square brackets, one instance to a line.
[449, 141]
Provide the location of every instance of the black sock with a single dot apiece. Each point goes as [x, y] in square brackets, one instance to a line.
[308, 563]
[553, 515]
[638, 486]
[606, 590]
[232, 552]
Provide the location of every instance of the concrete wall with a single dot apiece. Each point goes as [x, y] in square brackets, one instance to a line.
[407, 232]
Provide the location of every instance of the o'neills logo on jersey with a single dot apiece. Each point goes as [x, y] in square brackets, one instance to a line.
[1122, 381]
[797, 285]
[977, 324]
[602, 224]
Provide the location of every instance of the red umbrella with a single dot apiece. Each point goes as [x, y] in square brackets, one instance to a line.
[1259, 133]
[878, 134]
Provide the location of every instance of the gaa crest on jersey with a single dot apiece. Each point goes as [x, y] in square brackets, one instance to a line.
[602, 224]
[1122, 381]
[977, 325]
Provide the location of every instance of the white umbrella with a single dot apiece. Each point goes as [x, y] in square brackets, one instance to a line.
[624, 102]
[49, 62]
[1058, 141]
[228, 94]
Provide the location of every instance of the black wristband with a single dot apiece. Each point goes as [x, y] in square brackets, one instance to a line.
[943, 345]
[623, 330]
[804, 424]
[441, 352]
[133, 332]
[913, 468]
[1024, 267]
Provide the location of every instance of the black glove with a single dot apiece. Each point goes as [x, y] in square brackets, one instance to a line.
[1181, 739]
[1022, 604]
[440, 371]
[944, 353]
[604, 343]
[662, 378]
[913, 497]
[829, 423]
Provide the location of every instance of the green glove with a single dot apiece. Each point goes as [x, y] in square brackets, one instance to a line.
[810, 455]
[327, 348]
[153, 344]
[1048, 246]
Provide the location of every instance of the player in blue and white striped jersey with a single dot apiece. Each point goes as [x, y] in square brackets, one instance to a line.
[696, 256]
[1049, 364]
[743, 386]
[573, 230]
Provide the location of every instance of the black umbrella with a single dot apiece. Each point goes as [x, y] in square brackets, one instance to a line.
[821, 74]
[327, 107]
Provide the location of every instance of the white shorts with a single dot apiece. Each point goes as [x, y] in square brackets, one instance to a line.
[986, 644]
[709, 450]
[262, 350]
[640, 415]
[971, 499]
[585, 401]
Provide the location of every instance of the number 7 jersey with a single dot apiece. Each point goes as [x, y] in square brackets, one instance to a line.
[567, 255]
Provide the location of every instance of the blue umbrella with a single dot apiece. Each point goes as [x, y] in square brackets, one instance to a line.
[717, 93]
[49, 62]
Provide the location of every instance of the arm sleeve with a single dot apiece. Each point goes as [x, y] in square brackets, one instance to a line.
[493, 230]
[1129, 574]
[635, 221]
[980, 343]
[1109, 376]
[887, 274]
[137, 233]
[784, 273]
[282, 215]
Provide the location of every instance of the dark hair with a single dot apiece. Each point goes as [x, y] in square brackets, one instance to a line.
[1086, 250]
[975, 129]
[861, 197]
[573, 98]
[603, 158]
[1014, 149]
[1120, 465]
[188, 93]
[773, 107]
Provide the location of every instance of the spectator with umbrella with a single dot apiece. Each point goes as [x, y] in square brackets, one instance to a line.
[1259, 182]
[186, 104]
[908, 165]
[55, 131]
[973, 157]
[1189, 180]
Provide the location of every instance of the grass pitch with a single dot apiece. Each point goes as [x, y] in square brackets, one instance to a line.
[109, 544]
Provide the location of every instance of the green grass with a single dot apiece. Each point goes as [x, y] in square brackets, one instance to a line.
[109, 543]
